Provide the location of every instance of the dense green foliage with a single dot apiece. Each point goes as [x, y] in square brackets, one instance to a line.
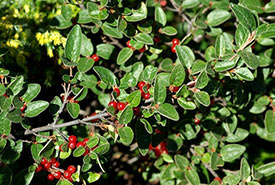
[156, 92]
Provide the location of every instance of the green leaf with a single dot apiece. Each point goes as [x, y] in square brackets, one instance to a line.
[181, 162]
[35, 149]
[144, 38]
[32, 91]
[5, 103]
[187, 4]
[149, 73]
[231, 152]
[55, 105]
[239, 135]
[105, 51]
[217, 17]
[16, 85]
[126, 115]
[79, 151]
[124, 55]
[160, 16]
[192, 177]
[3, 143]
[169, 30]
[241, 35]
[5, 176]
[188, 105]
[24, 177]
[73, 44]
[167, 110]
[177, 76]
[92, 142]
[12, 153]
[137, 15]
[64, 182]
[87, 47]
[85, 64]
[126, 135]
[250, 59]
[106, 75]
[103, 146]
[111, 31]
[185, 56]
[270, 121]
[159, 90]
[202, 80]
[35, 108]
[92, 177]
[267, 169]
[244, 16]
[73, 109]
[15, 116]
[143, 138]
[222, 66]
[244, 74]
[134, 98]
[266, 31]
[220, 46]
[245, 169]
[147, 125]
[66, 12]
[84, 17]
[5, 125]
[203, 98]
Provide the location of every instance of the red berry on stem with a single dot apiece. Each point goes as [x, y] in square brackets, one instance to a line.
[57, 175]
[175, 41]
[121, 106]
[129, 45]
[146, 96]
[47, 165]
[94, 120]
[142, 49]
[71, 169]
[197, 121]
[175, 89]
[50, 177]
[117, 91]
[141, 84]
[79, 144]
[56, 164]
[95, 57]
[44, 161]
[218, 179]
[163, 3]
[53, 160]
[67, 174]
[85, 141]
[173, 49]
[72, 138]
[38, 168]
[113, 104]
[71, 145]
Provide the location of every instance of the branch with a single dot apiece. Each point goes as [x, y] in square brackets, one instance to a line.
[66, 124]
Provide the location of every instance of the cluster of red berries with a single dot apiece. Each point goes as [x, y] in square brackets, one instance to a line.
[117, 105]
[55, 173]
[131, 47]
[175, 42]
[159, 149]
[73, 143]
[141, 85]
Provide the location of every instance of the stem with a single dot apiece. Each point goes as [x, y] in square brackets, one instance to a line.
[66, 124]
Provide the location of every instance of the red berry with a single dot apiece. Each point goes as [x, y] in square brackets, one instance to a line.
[197, 121]
[53, 160]
[146, 96]
[142, 49]
[175, 89]
[86, 152]
[113, 104]
[6, 95]
[60, 147]
[44, 161]
[129, 45]
[67, 174]
[73, 139]
[163, 3]
[141, 84]
[121, 106]
[38, 168]
[175, 41]
[117, 91]
[136, 111]
[218, 179]
[157, 152]
[56, 164]
[72, 145]
[95, 57]
[157, 39]
[71, 169]
[23, 108]
[163, 145]
[173, 49]
[47, 165]
[94, 120]
[70, 179]
[79, 144]
[85, 141]
[57, 175]
[50, 177]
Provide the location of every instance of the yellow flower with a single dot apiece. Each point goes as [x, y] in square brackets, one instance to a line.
[50, 52]
[16, 36]
[27, 8]
[13, 43]
[3, 18]
[16, 13]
